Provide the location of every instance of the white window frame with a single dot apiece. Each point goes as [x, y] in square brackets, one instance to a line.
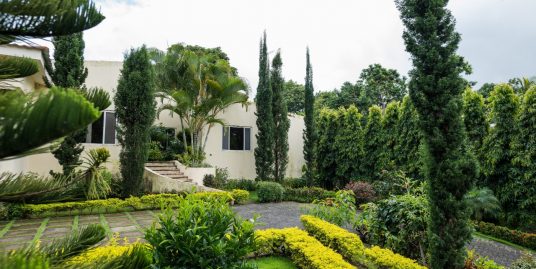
[88, 137]
[228, 127]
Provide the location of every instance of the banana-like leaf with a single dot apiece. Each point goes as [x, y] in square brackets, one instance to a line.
[16, 67]
[43, 18]
[99, 97]
[30, 121]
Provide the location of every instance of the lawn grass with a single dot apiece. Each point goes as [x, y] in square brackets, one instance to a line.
[274, 262]
[253, 198]
[488, 237]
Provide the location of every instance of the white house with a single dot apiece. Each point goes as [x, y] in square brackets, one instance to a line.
[233, 149]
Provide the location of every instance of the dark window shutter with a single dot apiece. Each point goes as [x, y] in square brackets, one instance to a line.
[110, 122]
[247, 138]
[225, 138]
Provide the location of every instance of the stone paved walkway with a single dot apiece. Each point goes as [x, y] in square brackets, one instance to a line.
[130, 225]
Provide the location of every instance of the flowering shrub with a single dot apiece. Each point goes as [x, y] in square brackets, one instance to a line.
[351, 247]
[363, 191]
[527, 240]
[304, 250]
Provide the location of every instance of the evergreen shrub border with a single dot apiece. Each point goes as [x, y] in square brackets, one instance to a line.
[527, 240]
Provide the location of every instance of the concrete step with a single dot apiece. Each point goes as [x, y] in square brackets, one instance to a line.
[160, 164]
[163, 169]
[171, 173]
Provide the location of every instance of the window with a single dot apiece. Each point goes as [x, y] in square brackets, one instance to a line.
[236, 138]
[102, 131]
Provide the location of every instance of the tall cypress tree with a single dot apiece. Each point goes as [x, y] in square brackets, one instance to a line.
[476, 124]
[281, 120]
[69, 72]
[348, 145]
[390, 135]
[373, 144]
[498, 152]
[309, 134]
[409, 140]
[264, 157]
[522, 189]
[436, 89]
[135, 108]
[328, 129]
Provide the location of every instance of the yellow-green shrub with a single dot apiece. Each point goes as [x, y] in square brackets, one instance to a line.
[387, 258]
[240, 195]
[304, 250]
[352, 248]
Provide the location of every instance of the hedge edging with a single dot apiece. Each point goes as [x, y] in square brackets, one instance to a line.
[527, 240]
[351, 246]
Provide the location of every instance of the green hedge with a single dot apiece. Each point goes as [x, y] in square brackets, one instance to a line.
[270, 192]
[307, 194]
[527, 240]
[150, 201]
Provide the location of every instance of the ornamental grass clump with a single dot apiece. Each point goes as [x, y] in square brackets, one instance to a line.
[201, 233]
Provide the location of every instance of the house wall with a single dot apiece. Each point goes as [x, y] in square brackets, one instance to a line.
[241, 164]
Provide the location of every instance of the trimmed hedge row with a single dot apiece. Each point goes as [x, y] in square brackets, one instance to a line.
[150, 201]
[307, 194]
[304, 250]
[527, 240]
[352, 248]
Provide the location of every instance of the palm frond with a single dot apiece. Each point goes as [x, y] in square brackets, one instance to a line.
[17, 67]
[96, 186]
[44, 18]
[32, 188]
[30, 121]
[99, 97]
[74, 244]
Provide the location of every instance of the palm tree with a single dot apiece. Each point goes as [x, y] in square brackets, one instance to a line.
[482, 202]
[198, 86]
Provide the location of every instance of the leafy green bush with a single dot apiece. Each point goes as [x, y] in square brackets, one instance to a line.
[307, 194]
[527, 240]
[398, 223]
[154, 154]
[164, 144]
[481, 202]
[201, 234]
[240, 196]
[474, 261]
[339, 210]
[243, 184]
[270, 192]
[218, 180]
[298, 182]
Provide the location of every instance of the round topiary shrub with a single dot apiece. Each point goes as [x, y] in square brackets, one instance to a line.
[270, 192]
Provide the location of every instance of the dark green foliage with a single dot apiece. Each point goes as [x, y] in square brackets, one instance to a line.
[348, 145]
[328, 121]
[164, 144]
[398, 223]
[498, 152]
[521, 190]
[264, 158]
[436, 88]
[135, 108]
[363, 191]
[281, 120]
[307, 194]
[200, 234]
[293, 94]
[294, 182]
[390, 135]
[68, 153]
[409, 140]
[481, 202]
[373, 144]
[486, 89]
[270, 192]
[219, 180]
[242, 184]
[69, 70]
[380, 86]
[309, 134]
[474, 120]
[327, 99]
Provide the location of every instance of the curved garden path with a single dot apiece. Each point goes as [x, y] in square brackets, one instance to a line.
[130, 225]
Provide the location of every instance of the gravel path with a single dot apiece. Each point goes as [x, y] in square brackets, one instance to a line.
[287, 214]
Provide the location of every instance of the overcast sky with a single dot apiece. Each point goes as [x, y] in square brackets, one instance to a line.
[344, 36]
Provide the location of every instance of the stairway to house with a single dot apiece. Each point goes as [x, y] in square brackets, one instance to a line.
[168, 169]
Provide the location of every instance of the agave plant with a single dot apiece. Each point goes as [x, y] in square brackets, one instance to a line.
[96, 185]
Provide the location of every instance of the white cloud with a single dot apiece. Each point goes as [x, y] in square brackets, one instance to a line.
[344, 36]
